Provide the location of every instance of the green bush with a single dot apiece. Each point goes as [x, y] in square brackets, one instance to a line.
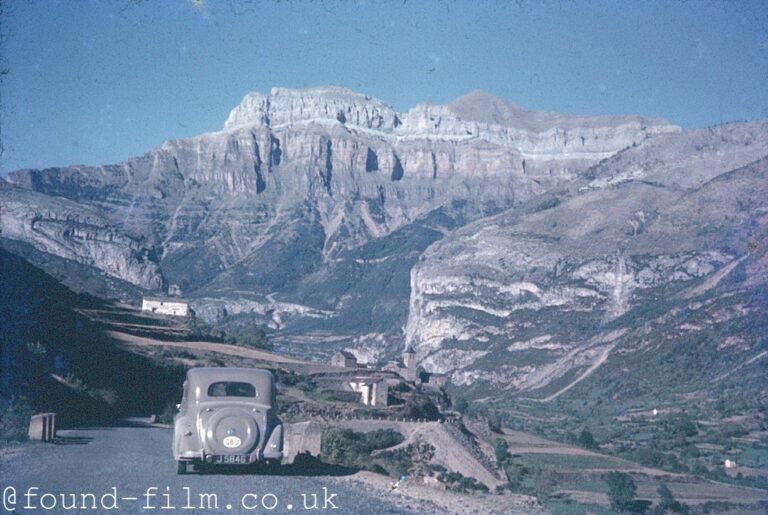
[461, 405]
[420, 407]
[586, 440]
[339, 396]
[459, 483]
[494, 422]
[413, 458]
[501, 449]
[346, 447]
[252, 336]
[668, 502]
[621, 489]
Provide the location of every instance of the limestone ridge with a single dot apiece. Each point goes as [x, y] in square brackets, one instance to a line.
[547, 142]
[359, 166]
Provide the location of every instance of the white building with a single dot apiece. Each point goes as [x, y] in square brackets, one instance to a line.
[373, 391]
[174, 307]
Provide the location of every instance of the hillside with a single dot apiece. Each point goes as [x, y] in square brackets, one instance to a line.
[548, 295]
[56, 359]
[93, 361]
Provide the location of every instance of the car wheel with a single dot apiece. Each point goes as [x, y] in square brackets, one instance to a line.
[181, 467]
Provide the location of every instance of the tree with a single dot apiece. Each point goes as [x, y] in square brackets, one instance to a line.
[586, 440]
[502, 450]
[253, 336]
[494, 422]
[667, 500]
[621, 489]
[461, 405]
[681, 425]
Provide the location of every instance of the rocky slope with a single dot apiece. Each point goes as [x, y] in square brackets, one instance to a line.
[308, 209]
[77, 232]
[660, 251]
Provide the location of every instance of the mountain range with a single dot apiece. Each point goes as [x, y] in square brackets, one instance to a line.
[517, 251]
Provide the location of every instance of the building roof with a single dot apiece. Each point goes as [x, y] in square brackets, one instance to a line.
[369, 379]
[346, 354]
[409, 350]
[165, 299]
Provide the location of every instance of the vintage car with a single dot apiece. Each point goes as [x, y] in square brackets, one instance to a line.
[227, 416]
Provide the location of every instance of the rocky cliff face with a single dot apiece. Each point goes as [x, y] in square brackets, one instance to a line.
[78, 233]
[272, 217]
[535, 299]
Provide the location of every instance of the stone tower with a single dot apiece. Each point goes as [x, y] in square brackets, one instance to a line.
[409, 360]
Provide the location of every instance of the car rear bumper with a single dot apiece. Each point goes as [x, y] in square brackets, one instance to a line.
[256, 457]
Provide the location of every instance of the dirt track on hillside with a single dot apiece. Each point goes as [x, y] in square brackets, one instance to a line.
[221, 348]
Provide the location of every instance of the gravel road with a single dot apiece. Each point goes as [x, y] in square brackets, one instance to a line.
[132, 467]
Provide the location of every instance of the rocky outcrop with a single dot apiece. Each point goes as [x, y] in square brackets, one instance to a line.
[533, 299]
[71, 231]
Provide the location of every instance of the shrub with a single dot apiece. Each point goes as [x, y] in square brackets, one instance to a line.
[461, 405]
[252, 336]
[346, 447]
[413, 458]
[547, 204]
[586, 440]
[340, 396]
[459, 483]
[668, 502]
[501, 450]
[420, 407]
[494, 422]
[621, 489]
[166, 416]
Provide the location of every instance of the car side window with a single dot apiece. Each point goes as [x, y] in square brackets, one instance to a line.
[231, 389]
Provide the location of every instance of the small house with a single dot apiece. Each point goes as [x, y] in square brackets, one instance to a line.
[344, 359]
[173, 307]
[437, 380]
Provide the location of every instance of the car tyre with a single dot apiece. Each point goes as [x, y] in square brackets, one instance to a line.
[181, 467]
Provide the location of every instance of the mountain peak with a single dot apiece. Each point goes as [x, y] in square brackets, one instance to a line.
[482, 107]
[329, 91]
[286, 106]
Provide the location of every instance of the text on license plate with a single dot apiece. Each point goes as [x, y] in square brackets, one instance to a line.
[232, 459]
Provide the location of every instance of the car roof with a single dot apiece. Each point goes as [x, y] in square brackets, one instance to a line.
[258, 376]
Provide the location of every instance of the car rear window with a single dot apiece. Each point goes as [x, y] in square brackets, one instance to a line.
[231, 389]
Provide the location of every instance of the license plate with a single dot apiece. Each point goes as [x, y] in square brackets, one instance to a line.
[232, 459]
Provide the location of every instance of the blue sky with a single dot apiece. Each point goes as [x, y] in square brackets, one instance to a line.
[98, 81]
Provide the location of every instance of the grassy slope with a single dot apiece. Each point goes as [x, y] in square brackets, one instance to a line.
[56, 359]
